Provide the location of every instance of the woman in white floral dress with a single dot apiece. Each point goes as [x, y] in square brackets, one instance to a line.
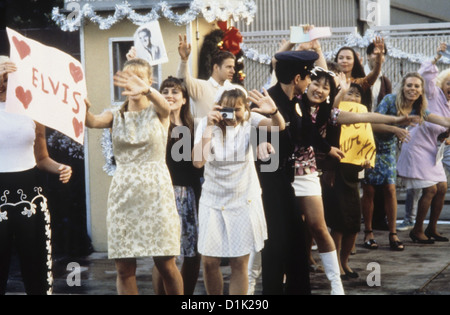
[142, 216]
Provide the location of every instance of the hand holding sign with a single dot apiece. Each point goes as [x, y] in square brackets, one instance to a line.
[298, 34]
[357, 141]
[49, 86]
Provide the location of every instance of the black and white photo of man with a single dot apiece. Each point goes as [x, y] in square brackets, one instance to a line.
[149, 43]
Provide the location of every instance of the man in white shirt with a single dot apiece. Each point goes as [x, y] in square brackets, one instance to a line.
[203, 92]
[383, 85]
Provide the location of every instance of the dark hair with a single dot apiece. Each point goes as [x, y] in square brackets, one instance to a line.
[287, 71]
[185, 113]
[357, 73]
[333, 67]
[358, 87]
[358, 69]
[324, 108]
[220, 57]
[371, 48]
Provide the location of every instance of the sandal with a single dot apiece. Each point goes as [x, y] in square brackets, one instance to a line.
[396, 246]
[370, 244]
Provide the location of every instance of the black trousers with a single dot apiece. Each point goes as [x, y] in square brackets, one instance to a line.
[25, 225]
[285, 250]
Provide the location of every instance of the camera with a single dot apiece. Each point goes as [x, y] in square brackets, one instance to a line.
[227, 113]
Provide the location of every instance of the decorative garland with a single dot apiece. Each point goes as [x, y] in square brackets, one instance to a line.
[212, 10]
[107, 150]
[351, 40]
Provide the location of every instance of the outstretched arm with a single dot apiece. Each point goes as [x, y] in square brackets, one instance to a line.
[266, 106]
[134, 86]
[101, 121]
[438, 120]
[348, 118]
[43, 160]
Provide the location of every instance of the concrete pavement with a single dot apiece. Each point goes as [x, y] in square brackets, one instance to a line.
[420, 269]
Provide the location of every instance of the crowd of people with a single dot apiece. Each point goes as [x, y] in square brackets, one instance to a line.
[211, 199]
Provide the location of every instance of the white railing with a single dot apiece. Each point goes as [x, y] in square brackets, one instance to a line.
[408, 45]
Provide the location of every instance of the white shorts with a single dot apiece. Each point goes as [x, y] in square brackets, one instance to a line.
[307, 185]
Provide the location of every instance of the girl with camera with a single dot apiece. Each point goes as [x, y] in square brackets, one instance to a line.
[231, 214]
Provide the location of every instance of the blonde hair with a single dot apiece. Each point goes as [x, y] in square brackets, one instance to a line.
[420, 105]
[231, 99]
[142, 69]
[443, 77]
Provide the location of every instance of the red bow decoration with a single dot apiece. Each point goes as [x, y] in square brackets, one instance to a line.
[232, 38]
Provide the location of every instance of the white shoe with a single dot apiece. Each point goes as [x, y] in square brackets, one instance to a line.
[332, 270]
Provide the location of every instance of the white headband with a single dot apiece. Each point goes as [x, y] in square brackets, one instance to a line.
[228, 87]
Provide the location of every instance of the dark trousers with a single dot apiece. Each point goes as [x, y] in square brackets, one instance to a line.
[25, 226]
[285, 250]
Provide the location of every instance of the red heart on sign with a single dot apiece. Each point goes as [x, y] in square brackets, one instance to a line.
[22, 47]
[23, 96]
[76, 72]
[78, 127]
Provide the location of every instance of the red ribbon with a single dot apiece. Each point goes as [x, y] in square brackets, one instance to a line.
[232, 40]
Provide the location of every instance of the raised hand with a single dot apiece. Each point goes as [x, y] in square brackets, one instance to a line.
[132, 53]
[379, 45]
[214, 117]
[132, 84]
[184, 48]
[5, 68]
[266, 105]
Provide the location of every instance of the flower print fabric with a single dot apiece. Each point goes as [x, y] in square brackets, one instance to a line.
[142, 216]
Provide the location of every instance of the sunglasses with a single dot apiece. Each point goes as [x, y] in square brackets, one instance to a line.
[320, 69]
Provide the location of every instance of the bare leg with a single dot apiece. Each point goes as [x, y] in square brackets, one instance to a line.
[189, 272]
[213, 276]
[390, 205]
[126, 277]
[348, 242]
[171, 276]
[239, 275]
[436, 207]
[367, 209]
[315, 218]
[424, 204]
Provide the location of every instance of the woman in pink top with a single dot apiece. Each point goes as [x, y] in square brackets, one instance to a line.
[422, 150]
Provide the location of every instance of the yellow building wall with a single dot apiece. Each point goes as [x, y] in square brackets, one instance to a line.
[95, 54]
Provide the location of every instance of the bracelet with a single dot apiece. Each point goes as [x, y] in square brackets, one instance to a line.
[276, 112]
[149, 91]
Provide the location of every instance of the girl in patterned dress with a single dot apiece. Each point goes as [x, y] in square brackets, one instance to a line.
[231, 214]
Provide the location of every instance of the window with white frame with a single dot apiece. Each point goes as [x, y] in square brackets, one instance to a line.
[118, 49]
